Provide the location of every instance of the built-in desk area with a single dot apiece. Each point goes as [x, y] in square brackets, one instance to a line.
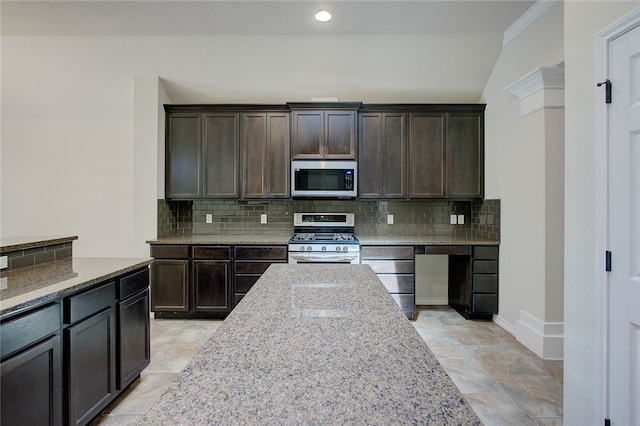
[472, 271]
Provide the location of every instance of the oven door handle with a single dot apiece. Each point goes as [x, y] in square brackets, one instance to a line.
[324, 257]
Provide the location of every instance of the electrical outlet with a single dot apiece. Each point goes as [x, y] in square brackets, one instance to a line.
[263, 218]
[390, 219]
[453, 219]
[460, 219]
[209, 218]
[4, 262]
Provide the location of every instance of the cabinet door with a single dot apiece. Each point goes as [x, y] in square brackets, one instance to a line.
[221, 142]
[339, 135]
[183, 146]
[133, 337]
[394, 156]
[278, 157]
[308, 134]
[91, 366]
[265, 158]
[382, 155]
[211, 285]
[370, 155]
[426, 155]
[31, 386]
[465, 156]
[170, 285]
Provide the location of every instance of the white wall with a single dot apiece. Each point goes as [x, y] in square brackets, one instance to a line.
[582, 21]
[521, 171]
[79, 147]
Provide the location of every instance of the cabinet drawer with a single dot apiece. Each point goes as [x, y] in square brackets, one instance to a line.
[244, 283]
[261, 252]
[387, 252]
[390, 266]
[485, 266]
[485, 283]
[398, 283]
[451, 250]
[131, 284]
[485, 303]
[170, 252]
[211, 252]
[252, 267]
[86, 304]
[405, 301]
[485, 252]
[27, 329]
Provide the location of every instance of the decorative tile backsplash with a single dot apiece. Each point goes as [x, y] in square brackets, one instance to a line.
[425, 217]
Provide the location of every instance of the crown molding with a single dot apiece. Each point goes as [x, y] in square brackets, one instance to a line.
[527, 18]
[541, 88]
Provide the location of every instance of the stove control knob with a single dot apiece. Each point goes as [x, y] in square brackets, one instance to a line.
[301, 248]
[345, 248]
[337, 248]
[324, 248]
[308, 248]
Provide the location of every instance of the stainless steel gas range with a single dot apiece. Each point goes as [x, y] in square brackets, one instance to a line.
[324, 238]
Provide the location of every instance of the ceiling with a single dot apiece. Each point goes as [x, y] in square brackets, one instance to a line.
[255, 17]
[465, 36]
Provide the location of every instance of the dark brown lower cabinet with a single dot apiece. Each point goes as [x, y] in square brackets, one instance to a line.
[134, 334]
[211, 280]
[64, 362]
[31, 386]
[473, 283]
[91, 366]
[395, 267]
[250, 262]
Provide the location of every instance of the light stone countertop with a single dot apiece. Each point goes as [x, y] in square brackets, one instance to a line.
[314, 345]
[26, 242]
[284, 239]
[30, 286]
[223, 239]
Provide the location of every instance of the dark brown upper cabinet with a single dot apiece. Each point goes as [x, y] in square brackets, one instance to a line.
[382, 155]
[324, 130]
[265, 155]
[221, 153]
[426, 155]
[183, 153]
[465, 155]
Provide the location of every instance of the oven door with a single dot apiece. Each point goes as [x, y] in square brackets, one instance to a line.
[320, 257]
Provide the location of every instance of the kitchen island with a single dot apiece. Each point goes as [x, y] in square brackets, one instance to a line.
[314, 344]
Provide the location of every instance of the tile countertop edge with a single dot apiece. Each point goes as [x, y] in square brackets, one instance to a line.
[21, 243]
[96, 270]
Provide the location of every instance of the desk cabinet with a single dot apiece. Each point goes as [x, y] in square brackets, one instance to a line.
[473, 283]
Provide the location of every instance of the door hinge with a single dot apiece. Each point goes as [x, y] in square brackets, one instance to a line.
[607, 261]
[607, 90]
[607, 422]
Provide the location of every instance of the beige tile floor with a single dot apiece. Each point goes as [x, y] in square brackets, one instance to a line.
[505, 383]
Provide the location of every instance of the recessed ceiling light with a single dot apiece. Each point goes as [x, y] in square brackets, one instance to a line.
[323, 16]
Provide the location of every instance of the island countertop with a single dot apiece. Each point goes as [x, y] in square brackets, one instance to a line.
[38, 284]
[314, 344]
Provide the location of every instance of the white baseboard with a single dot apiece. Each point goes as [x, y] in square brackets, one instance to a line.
[545, 339]
[432, 301]
[504, 324]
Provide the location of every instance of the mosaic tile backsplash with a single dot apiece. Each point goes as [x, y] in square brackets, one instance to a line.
[425, 217]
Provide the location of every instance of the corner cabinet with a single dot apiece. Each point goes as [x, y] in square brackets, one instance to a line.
[324, 131]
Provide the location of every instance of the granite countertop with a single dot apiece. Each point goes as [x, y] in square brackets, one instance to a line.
[223, 239]
[314, 344]
[408, 240]
[30, 286]
[424, 240]
[26, 242]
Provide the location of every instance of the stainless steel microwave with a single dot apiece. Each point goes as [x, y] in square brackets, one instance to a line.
[318, 178]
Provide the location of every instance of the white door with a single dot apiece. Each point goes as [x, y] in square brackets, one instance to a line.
[624, 230]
